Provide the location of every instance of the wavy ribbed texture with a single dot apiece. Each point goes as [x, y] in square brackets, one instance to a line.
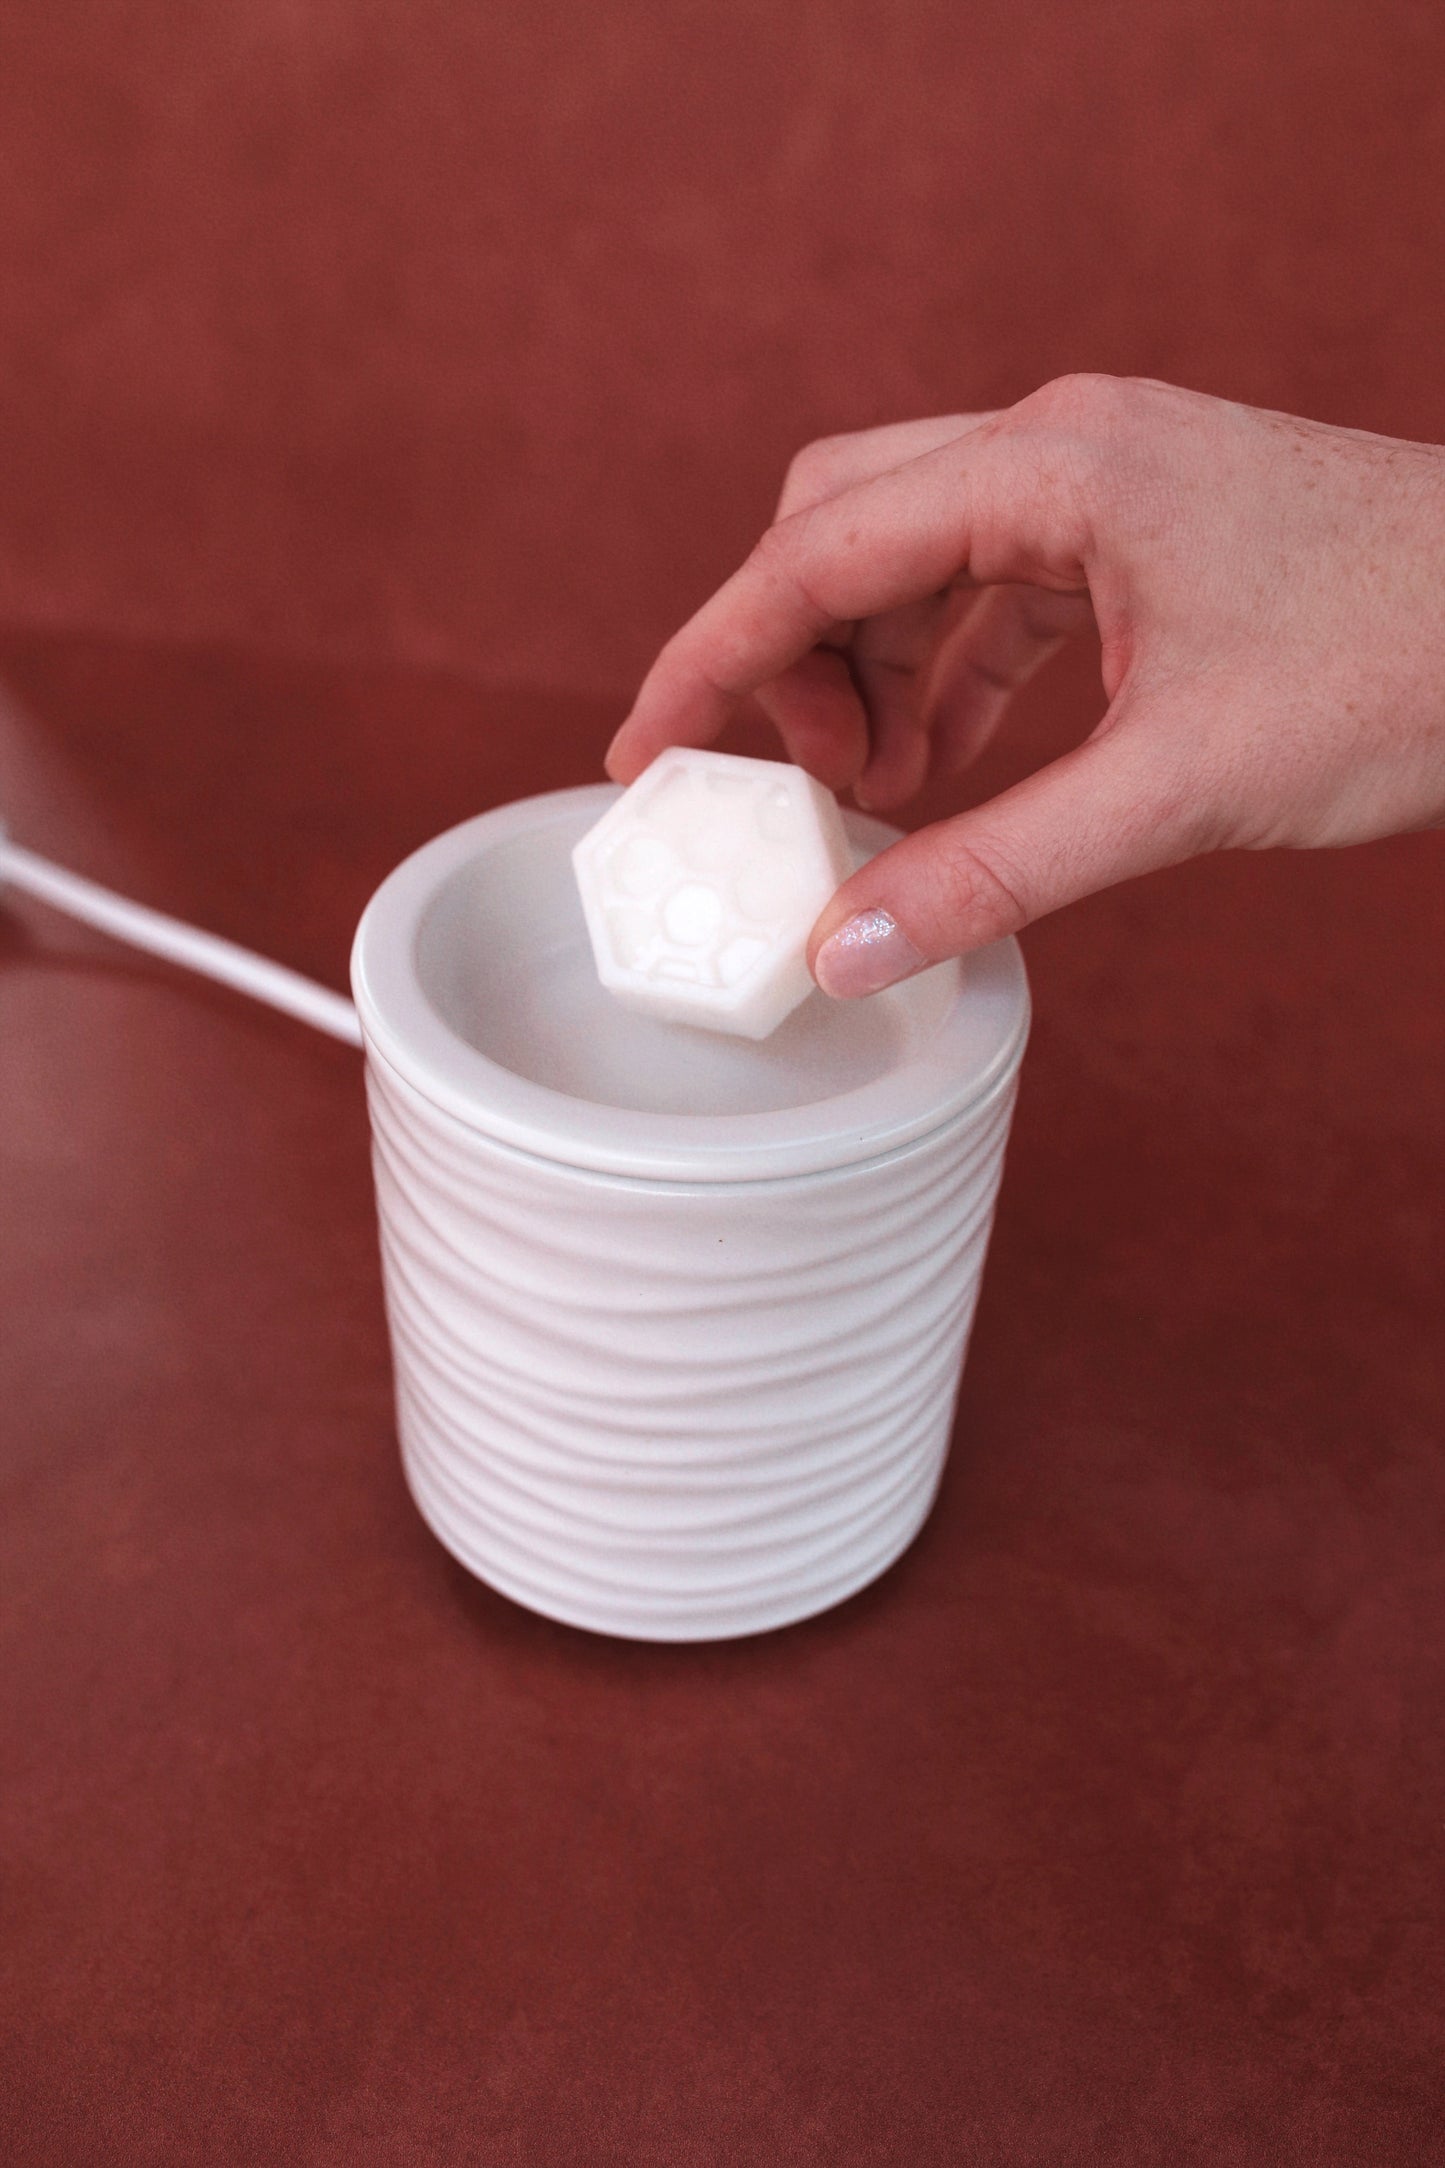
[668, 1411]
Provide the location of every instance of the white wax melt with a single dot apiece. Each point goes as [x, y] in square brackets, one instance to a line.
[702, 883]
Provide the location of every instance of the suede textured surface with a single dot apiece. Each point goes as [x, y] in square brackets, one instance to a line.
[456, 352]
[1105, 1828]
[481, 334]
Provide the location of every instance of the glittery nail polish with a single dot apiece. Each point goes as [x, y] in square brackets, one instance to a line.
[868, 953]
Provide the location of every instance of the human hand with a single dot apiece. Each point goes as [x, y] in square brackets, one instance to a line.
[1270, 598]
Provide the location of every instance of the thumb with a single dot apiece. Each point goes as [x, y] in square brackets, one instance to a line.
[1116, 807]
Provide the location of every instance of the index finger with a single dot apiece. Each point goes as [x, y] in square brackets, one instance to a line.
[986, 505]
[829, 464]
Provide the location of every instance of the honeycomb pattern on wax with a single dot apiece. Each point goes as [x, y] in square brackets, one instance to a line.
[701, 885]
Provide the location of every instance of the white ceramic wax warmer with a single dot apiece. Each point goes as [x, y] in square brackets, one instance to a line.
[677, 1319]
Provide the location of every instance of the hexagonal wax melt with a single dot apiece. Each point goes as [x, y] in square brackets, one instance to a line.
[701, 886]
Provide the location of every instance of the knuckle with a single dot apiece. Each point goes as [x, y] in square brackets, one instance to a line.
[783, 557]
[977, 897]
[1169, 803]
[1084, 397]
[1187, 806]
[812, 471]
[1090, 434]
[1115, 414]
[775, 553]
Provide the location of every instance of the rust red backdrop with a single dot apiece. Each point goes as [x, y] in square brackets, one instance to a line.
[379, 384]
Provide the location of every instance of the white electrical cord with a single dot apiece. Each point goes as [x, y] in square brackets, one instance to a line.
[178, 942]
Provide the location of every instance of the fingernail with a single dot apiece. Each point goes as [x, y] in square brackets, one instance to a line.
[872, 951]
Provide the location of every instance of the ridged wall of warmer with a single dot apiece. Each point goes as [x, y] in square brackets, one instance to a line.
[668, 1410]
